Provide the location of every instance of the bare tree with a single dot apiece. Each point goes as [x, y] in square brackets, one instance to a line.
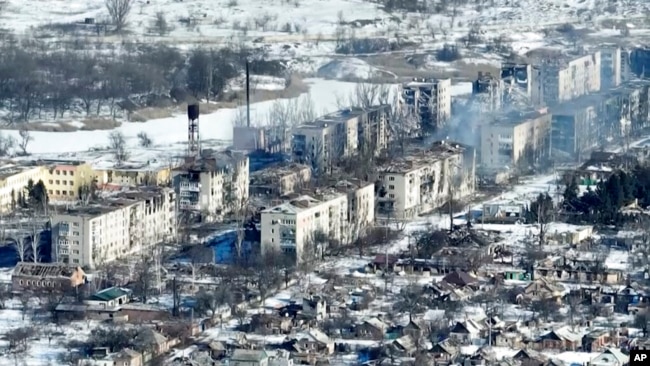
[25, 138]
[410, 300]
[117, 143]
[7, 144]
[212, 301]
[20, 243]
[35, 242]
[144, 139]
[119, 11]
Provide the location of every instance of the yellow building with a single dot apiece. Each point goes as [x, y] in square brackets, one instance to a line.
[134, 176]
[64, 178]
[13, 180]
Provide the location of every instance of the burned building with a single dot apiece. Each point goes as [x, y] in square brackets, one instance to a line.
[487, 92]
[212, 185]
[338, 135]
[424, 179]
[522, 80]
[279, 180]
[610, 67]
[429, 100]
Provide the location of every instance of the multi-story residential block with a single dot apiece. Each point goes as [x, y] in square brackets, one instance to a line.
[134, 174]
[90, 235]
[212, 185]
[305, 224]
[279, 180]
[515, 139]
[298, 227]
[13, 180]
[610, 67]
[429, 100]
[487, 92]
[64, 179]
[424, 180]
[568, 77]
[341, 134]
[522, 80]
[578, 127]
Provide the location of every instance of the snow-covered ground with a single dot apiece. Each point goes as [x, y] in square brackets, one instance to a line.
[282, 18]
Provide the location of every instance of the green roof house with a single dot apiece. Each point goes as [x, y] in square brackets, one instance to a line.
[109, 298]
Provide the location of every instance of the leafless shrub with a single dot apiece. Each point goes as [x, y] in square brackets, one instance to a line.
[160, 24]
[144, 139]
[117, 143]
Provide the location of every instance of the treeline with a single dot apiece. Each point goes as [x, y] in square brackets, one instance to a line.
[36, 80]
[601, 204]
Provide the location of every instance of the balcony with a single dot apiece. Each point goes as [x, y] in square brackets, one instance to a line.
[190, 186]
[287, 245]
[188, 205]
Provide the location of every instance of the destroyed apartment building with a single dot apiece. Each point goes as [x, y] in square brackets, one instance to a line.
[487, 92]
[113, 228]
[427, 99]
[569, 76]
[279, 180]
[342, 134]
[521, 81]
[212, 185]
[425, 179]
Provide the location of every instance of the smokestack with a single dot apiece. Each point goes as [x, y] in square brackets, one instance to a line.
[248, 96]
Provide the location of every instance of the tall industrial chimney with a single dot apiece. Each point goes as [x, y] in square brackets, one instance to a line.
[193, 137]
[248, 96]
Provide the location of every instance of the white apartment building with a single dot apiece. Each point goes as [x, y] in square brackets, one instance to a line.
[212, 185]
[429, 100]
[295, 227]
[426, 179]
[341, 134]
[339, 213]
[515, 138]
[610, 67]
[91, 235]
[13, 180]
[569, 77]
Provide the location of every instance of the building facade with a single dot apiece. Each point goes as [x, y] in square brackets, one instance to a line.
[569, 77]
[305, 224]
[278, 181]
[487, 92]
[522, 80]
[88, 236]
[610, 67]
[13, 180]
[429, 100]
[424, 180]
[64, 179]
[298, 227]
[134, 175]
[514, 139]
[212, 186]
[343, 134]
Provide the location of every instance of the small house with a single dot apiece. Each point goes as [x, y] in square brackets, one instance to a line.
[109, 298]
[611, 357]
[241, 357]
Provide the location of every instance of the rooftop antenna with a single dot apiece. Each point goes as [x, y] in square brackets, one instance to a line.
[248, 96]
[193, 137]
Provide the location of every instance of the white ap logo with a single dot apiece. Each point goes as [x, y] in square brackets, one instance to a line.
[640, 357]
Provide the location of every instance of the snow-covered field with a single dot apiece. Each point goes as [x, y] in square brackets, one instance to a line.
[211, 20]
